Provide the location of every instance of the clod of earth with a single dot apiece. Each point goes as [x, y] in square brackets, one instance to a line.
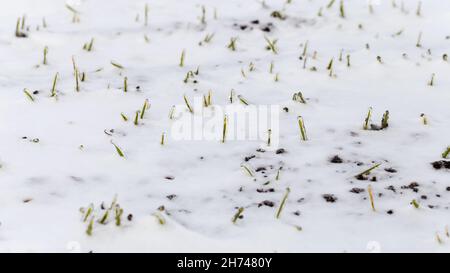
[390, 170]
[441, 164]
[330, 198]
[336, 159]
[357, 190]
[265, 190]
[412, 186]
[266, 203]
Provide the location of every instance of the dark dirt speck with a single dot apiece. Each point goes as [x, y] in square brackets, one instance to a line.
[265, 190]
[391, 188]
[390, 170]
[260, 169]
[171, 197]
[330, 198]
[266, 203]
[441, 164]
[336, 159]
[248, 158]
[357, 190]
[412, 186]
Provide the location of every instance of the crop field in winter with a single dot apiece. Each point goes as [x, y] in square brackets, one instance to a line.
[225, 126]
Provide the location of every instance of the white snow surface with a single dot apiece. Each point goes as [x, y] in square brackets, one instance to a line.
[44, 184]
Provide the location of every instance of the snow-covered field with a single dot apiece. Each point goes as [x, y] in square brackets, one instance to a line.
[57, 151]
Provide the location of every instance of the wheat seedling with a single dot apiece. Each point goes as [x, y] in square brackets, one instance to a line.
[368, 170]
[277, 177]
[243, 73]
[28, 94]
[117, 65]
[232, 44]
[247, 170]
[146, 9]
[301, 124]
[305, 49]
[77, 80]
[19, 33]
[163, 138]
[446, 153]
[44, 62]
[75, 17]
[419, 9]
[203, 17]
[372, 203]
[341, 9]
[224, 131]
[90, 227]
[231, 97]
[136, 118]
[424, 119]
[271, 45]
[88, 46]
[371, 11]
[188, 105]
[330, 64]
[385, 120]
[88, 212]
[144, 108]
[189, 75]
[171, 112]
[208, 38]
[118, 215]
[118, 150]
[277, 77]
[104, 217]
[183, 54]
[419, 40]
[330, 4]
[209, 98]
[367, 120]
[55, 79]
[298, 97]
[160, 218]
[242, 100]
[283, 202]
[304, 62]
[125, 84]
[320, 12]
[431, 82]
[238, 215]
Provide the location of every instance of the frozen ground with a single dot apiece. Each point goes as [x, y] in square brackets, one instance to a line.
[43, 184]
